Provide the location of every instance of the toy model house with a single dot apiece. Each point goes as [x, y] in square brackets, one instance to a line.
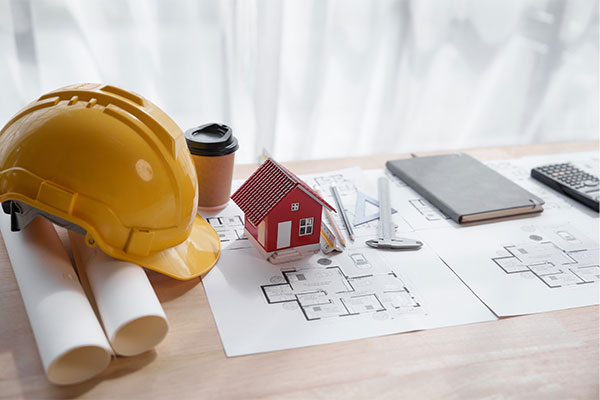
[283, 214]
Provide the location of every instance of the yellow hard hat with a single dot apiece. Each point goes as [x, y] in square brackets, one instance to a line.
[109, 163]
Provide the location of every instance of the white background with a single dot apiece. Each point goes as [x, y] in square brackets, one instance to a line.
[315, 79]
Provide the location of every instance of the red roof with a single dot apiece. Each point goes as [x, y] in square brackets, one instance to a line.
[266, 187]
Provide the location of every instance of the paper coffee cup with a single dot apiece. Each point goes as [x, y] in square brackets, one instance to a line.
[213, 149]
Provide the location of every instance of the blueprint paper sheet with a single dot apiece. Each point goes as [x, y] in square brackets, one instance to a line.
[537, 264]
[359, 293]
[524, 266]
[543, 263]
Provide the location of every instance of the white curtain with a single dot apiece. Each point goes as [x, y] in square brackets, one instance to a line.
[317, 79]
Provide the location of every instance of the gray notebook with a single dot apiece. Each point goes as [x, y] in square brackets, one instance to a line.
[463, 188]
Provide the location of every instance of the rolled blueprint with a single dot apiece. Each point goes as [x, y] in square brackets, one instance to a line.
[130, 312]
[69, 337]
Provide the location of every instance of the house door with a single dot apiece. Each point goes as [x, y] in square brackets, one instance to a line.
[284, 232]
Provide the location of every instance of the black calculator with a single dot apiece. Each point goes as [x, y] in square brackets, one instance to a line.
[570, 180]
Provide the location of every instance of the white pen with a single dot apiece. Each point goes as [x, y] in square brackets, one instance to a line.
[331, 220]
[338, 200]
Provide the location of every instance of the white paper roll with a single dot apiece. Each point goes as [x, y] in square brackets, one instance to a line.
[69, 337]
[131, 314]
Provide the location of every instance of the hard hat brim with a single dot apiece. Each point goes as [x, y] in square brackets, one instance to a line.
[194, 257]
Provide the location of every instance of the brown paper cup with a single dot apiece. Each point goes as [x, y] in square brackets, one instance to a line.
[213, 149]
[214, 181]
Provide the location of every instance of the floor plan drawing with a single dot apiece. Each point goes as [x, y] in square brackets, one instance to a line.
[345, 186]
[521, 267]
[229, 228]
[229, 225]
[461, 274]
[325, 298]
[329, 292]
[552, 265]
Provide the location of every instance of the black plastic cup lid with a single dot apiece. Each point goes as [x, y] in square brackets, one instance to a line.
[211, 140]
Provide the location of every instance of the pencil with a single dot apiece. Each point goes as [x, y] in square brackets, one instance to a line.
[338, 200]
[332, 222]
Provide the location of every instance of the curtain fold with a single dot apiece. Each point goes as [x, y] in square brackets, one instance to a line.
[324, 78]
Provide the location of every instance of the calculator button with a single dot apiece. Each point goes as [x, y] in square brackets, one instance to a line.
[583, 186]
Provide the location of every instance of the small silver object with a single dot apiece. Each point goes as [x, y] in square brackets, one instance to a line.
[387, 239]
[338, 200]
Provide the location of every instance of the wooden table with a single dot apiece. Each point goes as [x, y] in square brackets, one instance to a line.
[548, 355]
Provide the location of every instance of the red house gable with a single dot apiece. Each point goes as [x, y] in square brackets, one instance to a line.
[287, 227]
[266, 187]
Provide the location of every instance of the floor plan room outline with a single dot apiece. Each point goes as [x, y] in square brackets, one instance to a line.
[229, 228]
[551, 264]
[328, 292]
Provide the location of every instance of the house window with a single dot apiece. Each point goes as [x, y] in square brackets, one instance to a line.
[306, 226]
[295, 206]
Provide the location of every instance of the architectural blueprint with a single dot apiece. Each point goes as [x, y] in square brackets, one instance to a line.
[524, 266]
[342, 289]
[230, 228]
[535, 264]
[359, 293]
[229, 224]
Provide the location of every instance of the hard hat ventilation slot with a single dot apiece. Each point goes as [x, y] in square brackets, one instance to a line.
[124, 93]
[91, 103]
